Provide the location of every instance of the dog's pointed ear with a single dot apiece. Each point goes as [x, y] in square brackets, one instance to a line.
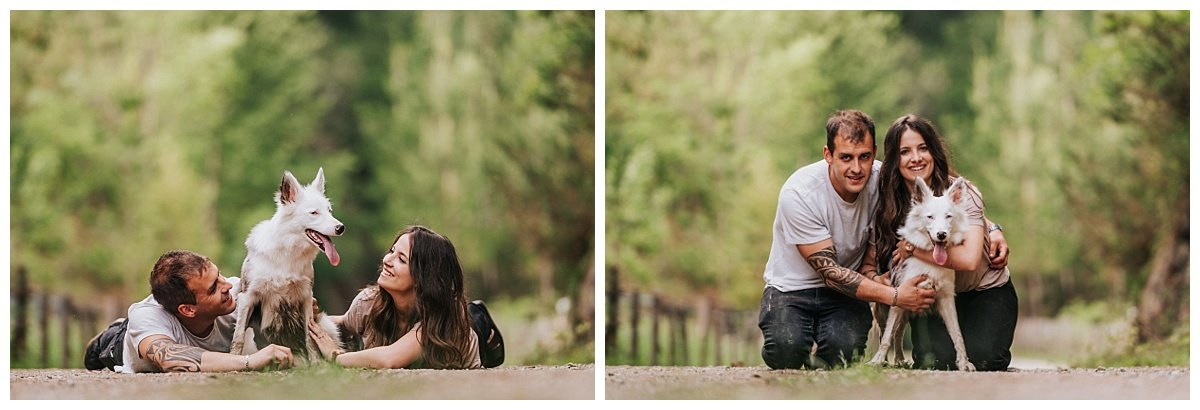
[957, 189]
[922, 191]
[319, 181]
[289, 188]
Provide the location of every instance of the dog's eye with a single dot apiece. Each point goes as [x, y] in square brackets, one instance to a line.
[313, 212]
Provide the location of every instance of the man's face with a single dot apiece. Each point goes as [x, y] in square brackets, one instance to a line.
[850, 165]
[212, 292]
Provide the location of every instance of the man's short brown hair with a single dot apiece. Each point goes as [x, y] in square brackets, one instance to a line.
[854, 124]
[169, 278]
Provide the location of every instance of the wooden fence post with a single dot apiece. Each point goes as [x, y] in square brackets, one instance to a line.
[654, 313]
[704, 325]
[672, 340]
[44, 327]
[18, 345]
[66, 310]
[719, 316]
[612, 322]
[635, 303]
[683, 339]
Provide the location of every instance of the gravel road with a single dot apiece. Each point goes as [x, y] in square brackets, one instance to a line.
[862, 382]
[621, 382]
[517, 382]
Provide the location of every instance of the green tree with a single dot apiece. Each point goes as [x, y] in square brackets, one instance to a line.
[707, 115]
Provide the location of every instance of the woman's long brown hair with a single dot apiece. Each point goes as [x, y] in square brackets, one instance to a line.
[441, 306]
[894, 199]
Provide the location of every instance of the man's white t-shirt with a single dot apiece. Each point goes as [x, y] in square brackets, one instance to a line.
[148, 318]
[810, 211]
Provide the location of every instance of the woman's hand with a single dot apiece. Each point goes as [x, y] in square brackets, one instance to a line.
[884, 279]
[901, 252]
[997, 249]
[325, 343]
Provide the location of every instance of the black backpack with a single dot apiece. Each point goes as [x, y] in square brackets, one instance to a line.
[105, 350]
[491, 343]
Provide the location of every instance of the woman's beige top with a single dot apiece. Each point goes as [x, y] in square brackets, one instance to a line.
[983, 277]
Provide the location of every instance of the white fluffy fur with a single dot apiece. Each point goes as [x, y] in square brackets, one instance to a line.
[278, 266]
[930, 217]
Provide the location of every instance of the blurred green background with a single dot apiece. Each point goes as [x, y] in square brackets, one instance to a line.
[134, 133]
[1073, 124]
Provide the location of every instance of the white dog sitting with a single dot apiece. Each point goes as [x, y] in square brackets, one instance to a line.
[275, 303]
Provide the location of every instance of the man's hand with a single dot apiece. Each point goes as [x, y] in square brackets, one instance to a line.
[997, 251]
[912, 298]
[272, 356]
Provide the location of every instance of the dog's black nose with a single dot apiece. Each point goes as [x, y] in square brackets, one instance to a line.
[339, 229]
[941, 235]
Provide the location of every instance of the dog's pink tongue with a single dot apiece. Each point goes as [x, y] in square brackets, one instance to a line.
[939, 254]
[331, 252]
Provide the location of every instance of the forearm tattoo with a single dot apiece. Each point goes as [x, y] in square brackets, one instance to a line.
[173, 357]
[836, 277]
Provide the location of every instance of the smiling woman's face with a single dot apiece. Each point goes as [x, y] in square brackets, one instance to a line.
[394, 275]
[915, 158]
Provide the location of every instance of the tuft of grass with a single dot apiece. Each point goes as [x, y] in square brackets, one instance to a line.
[536, 334]
[1173, 351]
[860, 373]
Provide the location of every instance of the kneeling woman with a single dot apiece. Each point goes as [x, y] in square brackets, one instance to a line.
[415, 315]
[986, 301]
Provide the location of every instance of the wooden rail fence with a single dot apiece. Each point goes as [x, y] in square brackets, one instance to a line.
[644, 328]
[52, 330]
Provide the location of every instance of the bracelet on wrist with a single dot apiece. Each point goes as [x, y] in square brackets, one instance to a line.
[247, 362]
[895, 295]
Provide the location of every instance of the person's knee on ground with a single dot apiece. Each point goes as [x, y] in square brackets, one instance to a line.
[842, 337]
[786, 352]
[989, 357]
[842, 348]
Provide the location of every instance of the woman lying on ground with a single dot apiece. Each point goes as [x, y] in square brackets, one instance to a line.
[415, 315]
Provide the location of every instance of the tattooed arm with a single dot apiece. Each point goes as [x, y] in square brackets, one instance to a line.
[823, 258]
[176, 357]
[171, 356]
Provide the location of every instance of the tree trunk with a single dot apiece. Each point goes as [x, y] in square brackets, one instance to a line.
[585, 305]
[1166, 293]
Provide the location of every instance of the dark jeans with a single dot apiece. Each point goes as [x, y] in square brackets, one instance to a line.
[987, 318]
[792, 322]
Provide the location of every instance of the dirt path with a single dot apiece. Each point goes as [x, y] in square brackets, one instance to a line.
[517, 382]
[862, 382]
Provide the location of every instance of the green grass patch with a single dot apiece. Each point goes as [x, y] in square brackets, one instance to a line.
[1173, 351]
[535, 335]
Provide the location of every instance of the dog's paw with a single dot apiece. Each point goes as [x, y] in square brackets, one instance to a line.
[965, 366]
